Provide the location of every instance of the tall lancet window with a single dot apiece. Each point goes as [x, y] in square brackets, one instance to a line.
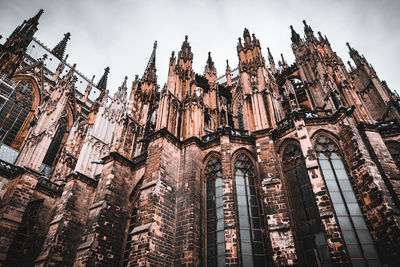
[251, 241]
[351, 221]
[215, 214]
[310, 240]
[15, 106]
[240, 116]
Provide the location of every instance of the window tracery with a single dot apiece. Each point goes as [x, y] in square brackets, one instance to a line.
[349, 215]
[251, 241]
[215, 214]
[15, 106]
[311, 242]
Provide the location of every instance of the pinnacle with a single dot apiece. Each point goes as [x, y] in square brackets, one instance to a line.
[246, 32]
[102, 85]
[59, 49]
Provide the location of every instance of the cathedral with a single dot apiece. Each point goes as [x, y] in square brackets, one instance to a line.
[270, 164]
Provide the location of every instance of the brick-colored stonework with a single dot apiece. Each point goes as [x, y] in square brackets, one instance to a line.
[266, 165]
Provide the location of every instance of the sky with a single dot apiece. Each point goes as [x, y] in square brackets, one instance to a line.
[121, 33]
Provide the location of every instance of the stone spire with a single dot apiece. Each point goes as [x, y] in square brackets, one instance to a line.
[59, 49]
[209, 71]
[120, 95]
[271, 61]
[150, 75]
[16, 45]
[210, 62]
[307, 29]
[355, 56]
[228, 74]
[186, 52]
[210, 67]
[102, 85]
[295, 36]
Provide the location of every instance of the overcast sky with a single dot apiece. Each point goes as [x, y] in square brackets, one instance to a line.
[120, 33]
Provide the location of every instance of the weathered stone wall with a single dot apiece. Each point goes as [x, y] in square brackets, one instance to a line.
[12, 209]
[67, 226]
[154, 234]
[189, 195]
[375, 200]
[280, 246]
[101, 243]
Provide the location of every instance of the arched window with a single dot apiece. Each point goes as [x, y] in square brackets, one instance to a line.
[309, 235]
[55, 145]
[215, 214]
[15, 105]
[351, 221]
[240, 116]
[251, 241]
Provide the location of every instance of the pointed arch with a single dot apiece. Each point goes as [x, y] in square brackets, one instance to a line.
[18, 109]
[214, 211]
[249, 208]
[347, 209]
[308, 231]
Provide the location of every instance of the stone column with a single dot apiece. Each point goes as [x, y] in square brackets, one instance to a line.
[66, 228]
[377, 204]
[188, 239]
[230, 216]
[12, 208]
[383, 160]
[101, 244]
[153, 238]
[280, 235]
[333, 235]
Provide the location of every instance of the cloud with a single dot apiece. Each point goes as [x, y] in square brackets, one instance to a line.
[120, 33]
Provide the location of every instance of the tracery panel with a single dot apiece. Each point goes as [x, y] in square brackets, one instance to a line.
[15, 106]
[214, 214]
[311, 242]
[351, 221]
[251, 241]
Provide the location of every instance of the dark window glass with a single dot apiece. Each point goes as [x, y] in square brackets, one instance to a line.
[240, 116]
[15, 106]
[309, 235]
[249, 220]
[215, 214]
[354, 229]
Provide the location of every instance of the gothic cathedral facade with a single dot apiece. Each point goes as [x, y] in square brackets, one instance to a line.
[267, 165]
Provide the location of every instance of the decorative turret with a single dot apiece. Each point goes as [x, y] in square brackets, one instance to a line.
[59, 49]
[149, 79]
[210, 72]
[355, 56]
[149, 75]
[254, 81]
[16, 45]
[88, 90]
[120, 95]
[283, 62]
[295, 36]
[102, 84]
[185, 56]
[60, 69]
[271, 61]
[101, 99]
[308, 31]
[228, 74]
